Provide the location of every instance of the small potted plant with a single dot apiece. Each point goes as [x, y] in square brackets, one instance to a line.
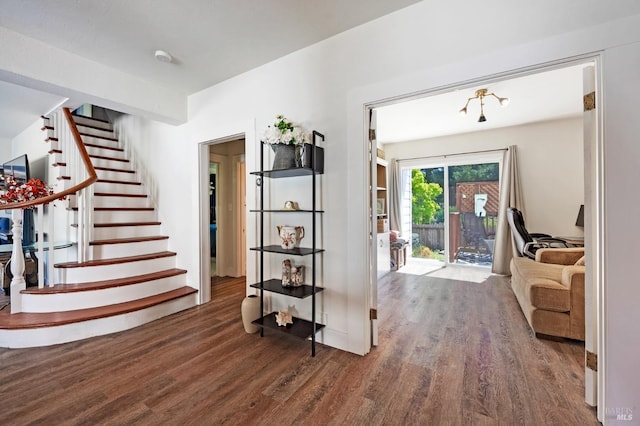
[285, 139]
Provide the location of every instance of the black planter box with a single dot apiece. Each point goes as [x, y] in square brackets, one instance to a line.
[316, 154]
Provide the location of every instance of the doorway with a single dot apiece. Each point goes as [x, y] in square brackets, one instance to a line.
[227, 203]
[454, 209]
[589, 189]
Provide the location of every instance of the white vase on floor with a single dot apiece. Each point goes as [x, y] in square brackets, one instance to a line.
[250, 310]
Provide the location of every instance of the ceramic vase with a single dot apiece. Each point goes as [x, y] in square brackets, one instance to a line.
[250, 309]
[290, 236]
[287, 156]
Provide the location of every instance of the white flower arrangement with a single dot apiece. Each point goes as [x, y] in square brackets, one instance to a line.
[284, 132]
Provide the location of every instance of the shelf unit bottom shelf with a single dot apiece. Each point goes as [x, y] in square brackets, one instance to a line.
[300, 328]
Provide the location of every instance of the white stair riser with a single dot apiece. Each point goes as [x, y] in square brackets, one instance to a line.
[63, 184]
[103, 297]
[56, 157]
[102, 152]
[123, 216]
[91, 140]
[110, 251]
[45, 336]
[94, 123]
[98, 132]
[118, 188]
[111, 164]
[113, 200]
[115, 271]
[106, 233]
[54, 145]
[116, 201]
[112, 175]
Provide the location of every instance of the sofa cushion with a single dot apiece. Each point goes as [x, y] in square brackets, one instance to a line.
[580, 262]
[540, 284]
[560, 256]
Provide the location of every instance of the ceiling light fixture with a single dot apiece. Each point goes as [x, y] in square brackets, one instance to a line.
[163, 56]
[481, 93]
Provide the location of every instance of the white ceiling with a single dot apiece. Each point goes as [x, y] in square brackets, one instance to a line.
[210, 40]
[213, 40]
[536, 97]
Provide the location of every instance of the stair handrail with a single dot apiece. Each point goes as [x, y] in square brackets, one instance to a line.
[92, 175]
[18, 282]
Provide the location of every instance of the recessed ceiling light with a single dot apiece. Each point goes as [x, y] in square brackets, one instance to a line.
[163, 56]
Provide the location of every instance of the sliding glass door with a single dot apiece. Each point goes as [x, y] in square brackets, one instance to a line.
[454, 209]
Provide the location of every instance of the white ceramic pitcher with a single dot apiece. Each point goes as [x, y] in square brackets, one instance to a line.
[290, 235]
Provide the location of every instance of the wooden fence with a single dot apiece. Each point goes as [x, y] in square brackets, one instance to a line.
[431, 235]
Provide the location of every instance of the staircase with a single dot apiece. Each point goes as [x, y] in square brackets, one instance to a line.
[131, 277]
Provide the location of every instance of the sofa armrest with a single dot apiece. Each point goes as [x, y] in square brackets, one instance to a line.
[559, 256]
[573, 279]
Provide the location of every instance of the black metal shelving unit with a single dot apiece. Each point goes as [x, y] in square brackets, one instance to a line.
[301, 328]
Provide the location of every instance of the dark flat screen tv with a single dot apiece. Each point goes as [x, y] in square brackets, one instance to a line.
[18, 168]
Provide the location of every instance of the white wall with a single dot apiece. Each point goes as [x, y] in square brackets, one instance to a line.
[327, 86]
[550, 161]
[159, 156]
[31, 141]
[622, 171]
[5, 150]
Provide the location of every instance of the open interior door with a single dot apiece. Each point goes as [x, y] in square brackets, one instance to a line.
[592, 272]
[373, 251]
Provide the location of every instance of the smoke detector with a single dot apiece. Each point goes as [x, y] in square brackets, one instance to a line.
[163, 56]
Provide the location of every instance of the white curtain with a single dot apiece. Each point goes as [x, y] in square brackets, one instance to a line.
[395, 196]
[510, 196]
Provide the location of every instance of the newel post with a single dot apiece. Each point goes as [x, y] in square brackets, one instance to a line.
[18, 282]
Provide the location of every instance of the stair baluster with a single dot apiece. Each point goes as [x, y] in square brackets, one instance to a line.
[18, 282]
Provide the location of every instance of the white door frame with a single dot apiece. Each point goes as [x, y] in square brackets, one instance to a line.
[479, 157]
[204, 293]
[593, 236]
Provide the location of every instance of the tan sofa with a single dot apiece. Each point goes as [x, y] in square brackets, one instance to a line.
[550, 291]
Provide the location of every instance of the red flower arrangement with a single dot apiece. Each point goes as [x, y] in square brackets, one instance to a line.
[31, 190]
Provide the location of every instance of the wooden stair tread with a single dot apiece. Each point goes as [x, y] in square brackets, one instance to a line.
[50, 319]
[117, 224]
[104, 157]
[115, 209]
[99, 137]
[84, 117]
[115, 260]
[119, 182]
[119, 194]
[95, 127]
[127, 240]
[99, 285]
[111, 169]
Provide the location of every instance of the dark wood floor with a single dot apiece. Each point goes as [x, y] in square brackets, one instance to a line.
[451, 353]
